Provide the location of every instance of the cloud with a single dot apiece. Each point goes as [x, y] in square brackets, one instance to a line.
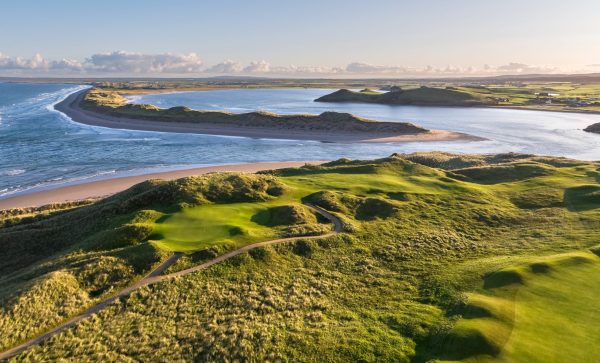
[129, 63]
[305, 70]
[430, 71]
[369, 69]
[512, 68]
[365, 68]
[227, 66]
[67, 65]
[258, 67]
[38, 64]
[126, 62]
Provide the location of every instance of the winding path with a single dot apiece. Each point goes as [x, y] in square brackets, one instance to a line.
[156, 276]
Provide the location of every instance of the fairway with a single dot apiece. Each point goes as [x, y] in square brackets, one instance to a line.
[535, 312]
[555, 314]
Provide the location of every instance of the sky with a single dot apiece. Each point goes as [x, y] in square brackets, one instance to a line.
[342, 38]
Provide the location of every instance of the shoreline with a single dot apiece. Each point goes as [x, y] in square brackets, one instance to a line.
[70, 107]
[105, 187]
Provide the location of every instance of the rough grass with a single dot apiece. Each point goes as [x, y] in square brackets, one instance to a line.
[419, 244]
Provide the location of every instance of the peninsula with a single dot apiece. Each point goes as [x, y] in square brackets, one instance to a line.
[110, 109]
[422, 96]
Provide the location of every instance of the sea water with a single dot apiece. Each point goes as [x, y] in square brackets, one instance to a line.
[41, 148]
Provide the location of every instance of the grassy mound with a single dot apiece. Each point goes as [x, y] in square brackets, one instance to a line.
[542, 197]
[583, 197]
[504, 173]
[290, 215]
[449, 161]
[417, 96]
[371, 208]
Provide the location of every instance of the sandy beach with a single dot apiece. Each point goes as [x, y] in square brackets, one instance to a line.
[102, 188]
[70, 107]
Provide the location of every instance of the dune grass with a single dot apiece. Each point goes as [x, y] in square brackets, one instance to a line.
[431, 254]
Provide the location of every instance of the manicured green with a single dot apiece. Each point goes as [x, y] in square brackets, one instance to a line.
[207, 226]
[540, 311]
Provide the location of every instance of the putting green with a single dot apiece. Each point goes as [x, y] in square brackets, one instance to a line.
[206, 226]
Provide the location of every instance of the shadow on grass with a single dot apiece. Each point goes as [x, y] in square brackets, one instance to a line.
[582, 198]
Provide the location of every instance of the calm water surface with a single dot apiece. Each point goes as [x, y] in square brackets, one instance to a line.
[41, 148]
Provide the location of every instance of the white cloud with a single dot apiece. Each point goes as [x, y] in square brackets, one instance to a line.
[305, 70]
[126, 62]
[258, 67]
[365, 68]
[513, 67]
[38, 64]
[67, 65]
[227, 66]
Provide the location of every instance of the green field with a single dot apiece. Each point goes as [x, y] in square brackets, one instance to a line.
[538, 311]
[443, 257]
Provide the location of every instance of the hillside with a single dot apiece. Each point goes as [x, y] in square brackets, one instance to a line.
[424, 96]
[434, 249]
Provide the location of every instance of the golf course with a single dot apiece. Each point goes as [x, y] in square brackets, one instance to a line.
[434, 256]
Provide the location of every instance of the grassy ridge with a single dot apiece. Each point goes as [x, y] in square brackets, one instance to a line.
[424, 232]
[417, 96]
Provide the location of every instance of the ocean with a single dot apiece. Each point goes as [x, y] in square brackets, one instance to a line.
[41, 148]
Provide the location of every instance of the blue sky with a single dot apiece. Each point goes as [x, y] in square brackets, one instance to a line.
[326, 36]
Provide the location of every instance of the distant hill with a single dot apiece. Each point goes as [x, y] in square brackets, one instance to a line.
[595, 128]
[427, 96]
